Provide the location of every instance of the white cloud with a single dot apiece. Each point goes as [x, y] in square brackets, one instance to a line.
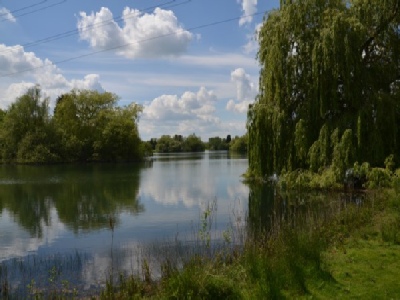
[12, 92]
[240, 107]
[252, 45]
[249, 7]
[5, 14]
[172, 114]
[89, 82]
[246, 91]
[14, 60]
[219, 60]
[145, 35]
[190, 105]
[244, 86]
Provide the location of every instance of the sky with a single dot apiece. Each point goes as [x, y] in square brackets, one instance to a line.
[191, 64]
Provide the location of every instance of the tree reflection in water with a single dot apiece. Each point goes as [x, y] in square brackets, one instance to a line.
[84, 196]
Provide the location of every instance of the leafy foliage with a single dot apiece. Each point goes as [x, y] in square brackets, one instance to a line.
[218, 143]
[329, 87]
[178, 143]
[86, 126]
[239, 144]
[26, 132]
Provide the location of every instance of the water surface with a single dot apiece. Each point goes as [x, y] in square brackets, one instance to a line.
[81, 223]
[83, 220]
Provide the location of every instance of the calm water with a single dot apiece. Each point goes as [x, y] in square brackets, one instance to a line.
[55, 220]
[60, 215]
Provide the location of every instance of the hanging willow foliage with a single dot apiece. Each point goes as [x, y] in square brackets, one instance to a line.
[329, 86]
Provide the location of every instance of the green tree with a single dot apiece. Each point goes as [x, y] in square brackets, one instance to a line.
[2, 115]
[193, 144]
[239, 144]
[79, 117]
[119, 137]
[91, 126]
[328, 67]
[167, 144]
[217, 143]
[27, 135]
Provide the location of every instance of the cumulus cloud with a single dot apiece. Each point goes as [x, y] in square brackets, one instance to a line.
[89, 82]
[249, 7]
[188, 106]
[5, 14]
[185, 114]
[144, 35]
[245, 91]
[14, 60]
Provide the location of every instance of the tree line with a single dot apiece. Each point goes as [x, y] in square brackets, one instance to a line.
[193, 143]
[85, 126]
[329, 87]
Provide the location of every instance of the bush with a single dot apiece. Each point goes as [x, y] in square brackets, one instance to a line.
[378, 178]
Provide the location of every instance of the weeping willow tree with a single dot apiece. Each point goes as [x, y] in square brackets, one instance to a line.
[329, 86]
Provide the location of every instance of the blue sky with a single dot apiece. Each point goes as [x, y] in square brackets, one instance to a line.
[189, 78]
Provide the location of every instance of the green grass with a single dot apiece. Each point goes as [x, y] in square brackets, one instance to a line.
[368, 269]
[353, 254]
[348, 251]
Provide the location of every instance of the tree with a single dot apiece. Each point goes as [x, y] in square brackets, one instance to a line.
[239, 144]
[92, 127]
[329, 86]
[27, 135]
[2, 115]
[193, 144]
[167, 144]
[119, 136]
[79, 117]
[217, 143]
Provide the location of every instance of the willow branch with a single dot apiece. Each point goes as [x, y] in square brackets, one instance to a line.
[381, 27]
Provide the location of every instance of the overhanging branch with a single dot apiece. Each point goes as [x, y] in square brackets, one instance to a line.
[381, 27]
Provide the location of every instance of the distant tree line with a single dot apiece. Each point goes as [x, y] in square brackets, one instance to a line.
[177, 143]
[217, 143]
[86, 126]
[239, 144]
[192, 143]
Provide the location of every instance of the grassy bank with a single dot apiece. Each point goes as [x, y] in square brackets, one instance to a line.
[350, 249]
[351, 252]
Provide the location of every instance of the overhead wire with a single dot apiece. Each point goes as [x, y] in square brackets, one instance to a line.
[72, 32]
[34, 11]
[211, 24]
[23, 8]
[99, 24]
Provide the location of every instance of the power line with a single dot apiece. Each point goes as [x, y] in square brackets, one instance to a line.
[34, 11]
[136, 42]
[23, 8]
[72, 32]
[99, 24]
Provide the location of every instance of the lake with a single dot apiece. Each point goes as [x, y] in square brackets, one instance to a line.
[72, 226]
[81, 222]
